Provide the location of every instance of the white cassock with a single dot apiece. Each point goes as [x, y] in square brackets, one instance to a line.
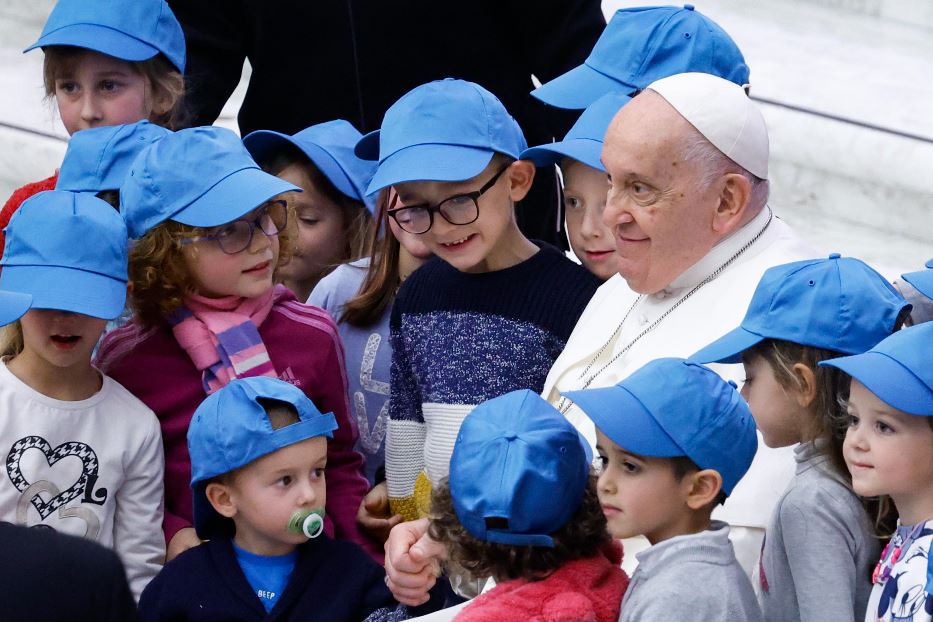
[713, 310]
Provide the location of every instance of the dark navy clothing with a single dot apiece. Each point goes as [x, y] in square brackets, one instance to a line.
[332, 580]
[459, 339]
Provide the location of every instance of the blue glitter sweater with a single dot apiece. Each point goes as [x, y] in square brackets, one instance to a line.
[459, 339]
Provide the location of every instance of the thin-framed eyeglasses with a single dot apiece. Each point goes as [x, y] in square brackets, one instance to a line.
[460, 209]
[236, 236]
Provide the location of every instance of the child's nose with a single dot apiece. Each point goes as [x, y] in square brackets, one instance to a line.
[90, 109]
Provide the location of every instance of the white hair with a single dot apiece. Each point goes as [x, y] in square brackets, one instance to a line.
[713, 164]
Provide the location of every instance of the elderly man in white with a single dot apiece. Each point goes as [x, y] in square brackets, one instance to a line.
[688, 167]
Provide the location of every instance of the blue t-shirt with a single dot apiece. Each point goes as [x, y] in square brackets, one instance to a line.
[267, 575]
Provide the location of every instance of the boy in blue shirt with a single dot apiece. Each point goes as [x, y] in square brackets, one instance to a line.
[258, 450]
[674, 439]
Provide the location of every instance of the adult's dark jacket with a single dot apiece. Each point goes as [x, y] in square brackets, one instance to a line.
[318, 60]
[46, 576]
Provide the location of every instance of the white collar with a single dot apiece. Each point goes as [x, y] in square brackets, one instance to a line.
[719, 254]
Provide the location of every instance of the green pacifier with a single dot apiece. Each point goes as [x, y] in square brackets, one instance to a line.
[307, 522]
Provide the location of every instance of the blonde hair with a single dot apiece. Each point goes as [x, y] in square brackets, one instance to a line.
[163, 79]
[159, 276]
[11, 339]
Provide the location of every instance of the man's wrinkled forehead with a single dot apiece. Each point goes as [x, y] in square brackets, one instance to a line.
[647, 134]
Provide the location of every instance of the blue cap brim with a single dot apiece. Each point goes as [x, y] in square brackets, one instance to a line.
[99, 39]
[430, 163]
[581, 149]
[368, 147]
[13, 305]
[922, 281]
[578, 88]
[262, 143]
[728, 348]
[235, 195]
[67, 289]
[624, 419]
[893, 383]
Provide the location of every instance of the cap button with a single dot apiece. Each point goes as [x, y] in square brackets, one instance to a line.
[688, 7]
[511, 436]
[834, 255]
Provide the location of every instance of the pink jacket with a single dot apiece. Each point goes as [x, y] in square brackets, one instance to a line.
[304, 347]
[584, 590]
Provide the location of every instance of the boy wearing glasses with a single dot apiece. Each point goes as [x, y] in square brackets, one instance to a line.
[493, 310]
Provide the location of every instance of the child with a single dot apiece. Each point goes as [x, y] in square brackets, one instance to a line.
[889, 451]
[82, 455]
[209, 224]
[98, 159]
[585, 186]
[493, 311]
[334, 215]
[258, 451]
[803, 313]
[520, 506]
[674, 439]
[109, 62]
[359, 296]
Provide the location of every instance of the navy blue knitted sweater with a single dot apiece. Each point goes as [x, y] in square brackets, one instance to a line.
[461, 338]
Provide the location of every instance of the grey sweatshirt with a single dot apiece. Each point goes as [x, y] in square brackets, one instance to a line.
[819, 549]
[692, 577]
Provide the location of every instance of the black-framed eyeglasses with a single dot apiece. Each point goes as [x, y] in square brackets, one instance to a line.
[236, 236]
[460, 209]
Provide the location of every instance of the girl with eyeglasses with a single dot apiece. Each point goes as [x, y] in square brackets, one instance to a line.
[210, 231]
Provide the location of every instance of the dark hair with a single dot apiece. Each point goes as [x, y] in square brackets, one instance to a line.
[582, 536]
[684, 466]
[357, 221]
[377, 291]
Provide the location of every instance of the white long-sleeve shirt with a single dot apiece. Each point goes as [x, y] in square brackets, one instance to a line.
[91, 468]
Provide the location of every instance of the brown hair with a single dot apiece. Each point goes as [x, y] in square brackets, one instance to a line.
[582, 536]
[158, 274]
[11, 339]
[163, 78]
[357, 221]
[377, 291]
[830, 417]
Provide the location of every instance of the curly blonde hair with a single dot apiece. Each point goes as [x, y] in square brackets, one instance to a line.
[159, 276]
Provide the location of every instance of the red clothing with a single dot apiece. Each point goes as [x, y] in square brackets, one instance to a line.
[304, 347]
[584, 590]
[16, 199]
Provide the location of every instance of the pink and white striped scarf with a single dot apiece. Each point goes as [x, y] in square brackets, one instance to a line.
[221, 335]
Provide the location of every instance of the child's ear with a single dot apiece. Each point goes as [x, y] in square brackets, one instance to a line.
[704, 487]
[220, 498]
[521, 173]
[806, 381]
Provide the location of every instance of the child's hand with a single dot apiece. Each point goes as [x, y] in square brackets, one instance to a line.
[412, 562]
[183, 540]
[373, 515]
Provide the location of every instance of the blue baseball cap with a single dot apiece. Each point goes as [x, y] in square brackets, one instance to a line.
[99, 158]
[897, 370]
[69, 252]
[672, 407]
[518, 470]
[202, 177]
[230, 429]
[922, 280]
[584, 141]
[447, 130]
[641, 45]
[131, 30]
[330, 147]
[13, 305]
[838, 304]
